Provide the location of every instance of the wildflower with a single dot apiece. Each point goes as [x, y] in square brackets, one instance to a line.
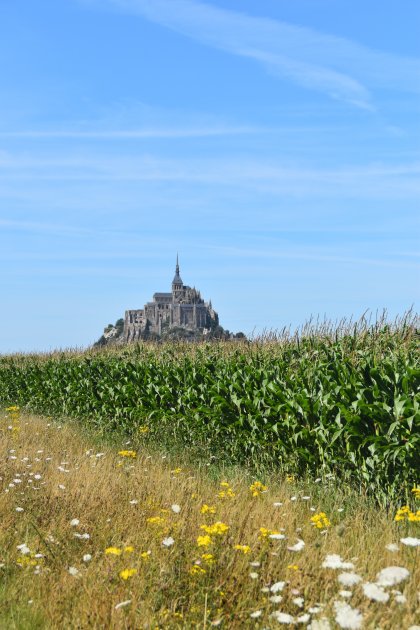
[207, 509]
[276, 536]
[347, 617]
[293, 567]
[320, 520]
[73, 571]
[334, 561]
[155, 520]
[223, 494]
[176, 471]
[320, 624]
[125, 574]
[204, 541]
[132, 454]
[277, 587]
[19, 509]
[244, 548]
[282, 617]
[253, 575]
[175, 508]
[276, 599]
[113, 551]
[128, 549]
[391, 576]
[84, 536]
[143, 429]
[87, 557]
[290, 478]
[217, 529]
[24, 549]
[257, 488]
[375, 592]
[410, 541]
[145, 554]
[208, 558]
[74, 522]
[268, 533]
[298, 546]
[277, 504]
[133, 502]
[197, 570]
[392, 547]
[256, 614]
[345, 594]
[416, 491]
[349, 579]
[122, 604]
[168, 542]
[400, 599]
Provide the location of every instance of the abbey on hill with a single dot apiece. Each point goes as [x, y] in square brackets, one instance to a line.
[182, 308]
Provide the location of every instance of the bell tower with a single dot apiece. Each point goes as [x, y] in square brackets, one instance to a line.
[177, 283]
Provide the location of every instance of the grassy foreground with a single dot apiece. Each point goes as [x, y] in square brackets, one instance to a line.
[97, 535]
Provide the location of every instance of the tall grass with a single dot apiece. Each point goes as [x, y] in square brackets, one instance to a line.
[341, 400]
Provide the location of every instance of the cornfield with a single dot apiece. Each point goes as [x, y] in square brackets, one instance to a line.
[341, 401]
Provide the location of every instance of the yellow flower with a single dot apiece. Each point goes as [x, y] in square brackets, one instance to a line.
[244, 548]
[208, 558]
[217, 529]
[128, 549]
[155, 520]
[416, 491]
[145, 555]
[404, 513]
[265, 533]
[131, 454]
[197, 570]
[144, 429]
[176, 471]
[293, 567]
[113, 551]
[257, 488]
[320, 520]
[290, 478]
[224, 484]
[204, 541]
[13, 408]
[127, 573]
[207, 509]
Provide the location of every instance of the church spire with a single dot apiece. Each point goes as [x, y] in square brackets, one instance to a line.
[177, 281]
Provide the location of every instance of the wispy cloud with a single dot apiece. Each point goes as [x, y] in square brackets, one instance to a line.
[134, 134]
[336, 66]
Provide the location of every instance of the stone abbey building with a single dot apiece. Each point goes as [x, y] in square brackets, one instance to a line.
[183, 307]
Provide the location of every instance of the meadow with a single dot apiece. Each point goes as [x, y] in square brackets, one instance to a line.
[98, 534]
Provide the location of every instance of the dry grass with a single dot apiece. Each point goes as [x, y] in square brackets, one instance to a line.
[77, 483]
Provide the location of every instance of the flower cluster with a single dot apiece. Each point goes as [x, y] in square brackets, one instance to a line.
[320, 520]
[226, 491]
[405, 514]
[257, 488]
[131, 454]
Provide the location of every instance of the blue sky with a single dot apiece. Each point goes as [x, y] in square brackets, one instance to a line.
[275, 145]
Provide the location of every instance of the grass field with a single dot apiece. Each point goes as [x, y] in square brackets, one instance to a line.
[102, 533]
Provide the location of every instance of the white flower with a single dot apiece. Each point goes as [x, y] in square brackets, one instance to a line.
[410, 541]
[316, 609]
[391, 576]
[87, 557]
[306, 498]
[176, 508]
[293, 498]
[320, 624]
[256, 614]
[303, 618]
[277, 587]
[17, 480]
[74, 522]
[255, 564]
[401, 599]
[133, 502]
[37, 476]
[298, 546]
[168, 542]
[282, 617]
[276, 599]
[349, 579]
[253, 576]
[122, 604]
[73, 571]
[374, 592]
[347, 617]
[392, 547]
[24, 549]
[277, 504]
[61, 486]
[277, 536]
[298, 601]
[84, 536]
[345, 594]
[334, 561]
[19, 509]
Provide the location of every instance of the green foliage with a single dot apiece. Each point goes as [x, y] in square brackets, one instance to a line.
[346, 404]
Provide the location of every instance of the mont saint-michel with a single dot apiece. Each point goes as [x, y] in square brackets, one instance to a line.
[182, 308]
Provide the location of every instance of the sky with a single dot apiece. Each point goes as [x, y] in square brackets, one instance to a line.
[273, 144]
